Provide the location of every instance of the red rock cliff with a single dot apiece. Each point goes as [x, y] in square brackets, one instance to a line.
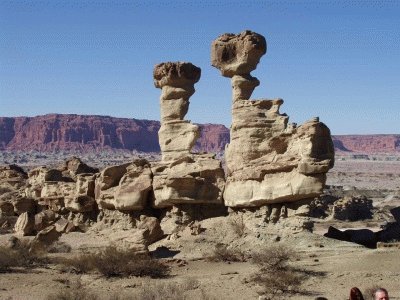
[56, 132]
[75, 132]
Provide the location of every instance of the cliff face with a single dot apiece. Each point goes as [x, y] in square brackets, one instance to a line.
[56, 132]
[75, 132]
[377, 143]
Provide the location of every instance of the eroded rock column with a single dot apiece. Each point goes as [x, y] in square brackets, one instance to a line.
[176, 135]
[268, 160]
[181, 176]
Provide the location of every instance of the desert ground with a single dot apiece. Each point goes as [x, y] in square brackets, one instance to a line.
[329, 267]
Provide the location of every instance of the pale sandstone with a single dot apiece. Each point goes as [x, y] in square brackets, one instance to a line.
[131, 192]
[25, 224]
[182, 177]
[176, 135]
[135, 186]
[268, 160]
[192, 179]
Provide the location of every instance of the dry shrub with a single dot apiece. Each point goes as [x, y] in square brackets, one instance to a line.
[223, 253]
[275, 276]
[75, 292]
[113, 261]
[274, 257]
[20, 255]
[172, 291]
[237, 224]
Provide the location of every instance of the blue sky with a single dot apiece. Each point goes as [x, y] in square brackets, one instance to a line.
[339, 60]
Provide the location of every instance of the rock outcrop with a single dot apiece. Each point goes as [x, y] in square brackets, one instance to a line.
[268, 160]
[124, 187]
[181, 176]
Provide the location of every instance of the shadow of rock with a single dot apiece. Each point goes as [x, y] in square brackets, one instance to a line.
[163, 252]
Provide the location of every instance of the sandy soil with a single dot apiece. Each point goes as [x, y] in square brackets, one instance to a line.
[333, 267]
[365, 174]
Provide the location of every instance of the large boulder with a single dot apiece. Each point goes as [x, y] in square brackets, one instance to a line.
[126, 187]
[83, 198]
[194, 179]
[134, 187]
[25, 224]
[12, 176]
[352, 208]
[75, 166]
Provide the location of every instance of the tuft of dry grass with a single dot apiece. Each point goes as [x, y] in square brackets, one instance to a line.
[221, 252]
[185, 290]
[113, 261]
[21, 255]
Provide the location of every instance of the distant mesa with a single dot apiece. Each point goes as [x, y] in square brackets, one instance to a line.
[61, 132]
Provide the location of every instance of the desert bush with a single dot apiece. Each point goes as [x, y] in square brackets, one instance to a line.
[274, 257]
[20, 255]
[281, 281]
[112, 261]
[75, 292]
[172, 291]
[275, 276]
[221, 252]
[237, 224]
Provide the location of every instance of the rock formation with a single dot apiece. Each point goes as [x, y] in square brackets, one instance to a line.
[176, 135]
[182, 177]
[268, 160]
[125, 187]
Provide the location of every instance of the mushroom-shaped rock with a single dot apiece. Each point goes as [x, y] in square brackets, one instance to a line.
[176, 74]
[176, 135]
[237, 54]
[268, 160]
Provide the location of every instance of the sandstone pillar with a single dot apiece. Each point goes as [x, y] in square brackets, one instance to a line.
[181, 176]
[176, 135]
[268, 160]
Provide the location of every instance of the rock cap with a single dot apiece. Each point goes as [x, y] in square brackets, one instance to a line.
[237, 54]
[175, 74]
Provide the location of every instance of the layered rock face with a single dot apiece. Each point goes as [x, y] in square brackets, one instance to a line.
[182, 177]
[268, 160]
[176, 135]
